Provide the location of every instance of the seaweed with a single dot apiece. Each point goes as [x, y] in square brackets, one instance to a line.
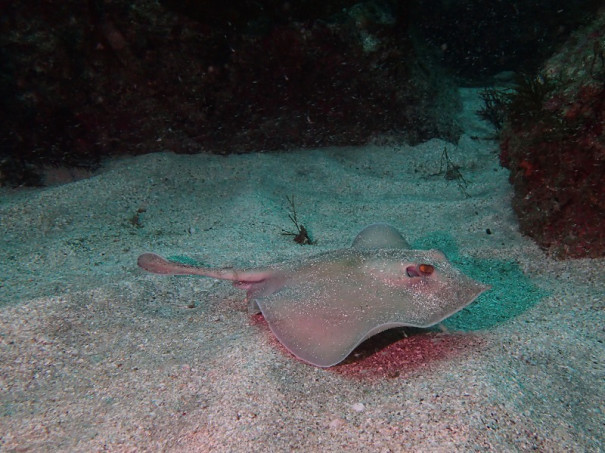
[451, 172]
[526, 102]
[495, 106]
[301, 236]
[522, 105]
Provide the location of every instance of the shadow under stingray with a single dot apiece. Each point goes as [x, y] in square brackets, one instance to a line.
[403, 352]
[397, 352]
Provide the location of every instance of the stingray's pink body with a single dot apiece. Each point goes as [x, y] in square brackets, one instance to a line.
[323, 306]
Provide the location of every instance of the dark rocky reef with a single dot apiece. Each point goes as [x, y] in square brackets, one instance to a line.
[84, 80]
[554, 145]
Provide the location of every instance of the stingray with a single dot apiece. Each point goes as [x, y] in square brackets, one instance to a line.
[323, 306]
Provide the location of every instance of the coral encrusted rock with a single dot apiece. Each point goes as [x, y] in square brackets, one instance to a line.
[554, 146]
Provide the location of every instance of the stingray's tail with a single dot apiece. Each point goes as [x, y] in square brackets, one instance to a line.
[159, 265]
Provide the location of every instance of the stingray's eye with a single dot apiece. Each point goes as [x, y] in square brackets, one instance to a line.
[420, 270]
[412, 271]
[426, 269]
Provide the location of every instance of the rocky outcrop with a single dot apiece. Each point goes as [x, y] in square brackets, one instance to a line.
[554, 146]
[83, 80]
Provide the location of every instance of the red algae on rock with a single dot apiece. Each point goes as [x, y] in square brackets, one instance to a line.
[557, 155]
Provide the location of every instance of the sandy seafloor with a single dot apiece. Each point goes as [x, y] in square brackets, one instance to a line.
[97, 355]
